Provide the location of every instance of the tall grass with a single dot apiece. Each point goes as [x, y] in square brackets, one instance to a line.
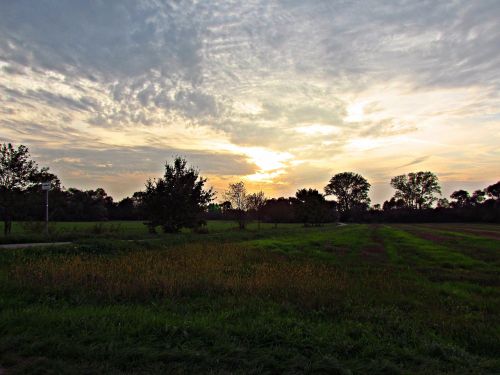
[191, 270]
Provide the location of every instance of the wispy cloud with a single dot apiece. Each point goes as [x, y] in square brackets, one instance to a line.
[415, 161]
[334, 85]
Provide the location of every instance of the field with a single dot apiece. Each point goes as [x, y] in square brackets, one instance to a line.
[354, 299]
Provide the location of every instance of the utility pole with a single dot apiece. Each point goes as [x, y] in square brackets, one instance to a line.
[46, 188]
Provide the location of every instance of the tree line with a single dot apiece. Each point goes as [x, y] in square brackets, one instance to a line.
[180, 199]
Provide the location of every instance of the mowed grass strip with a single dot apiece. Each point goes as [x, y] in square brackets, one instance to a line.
[470, 243]
[491, 231]
[421, 251]
[327, 243]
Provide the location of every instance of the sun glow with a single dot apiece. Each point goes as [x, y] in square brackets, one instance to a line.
[267, 160]
[266, 177]
[355, 112]
[318, 129]
[363, 144]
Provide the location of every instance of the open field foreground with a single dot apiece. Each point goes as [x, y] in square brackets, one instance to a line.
[355, 299]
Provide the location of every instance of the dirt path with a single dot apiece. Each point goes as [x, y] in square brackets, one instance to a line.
[35, 244]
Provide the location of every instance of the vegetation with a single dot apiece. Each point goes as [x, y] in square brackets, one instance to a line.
[311, 207]
[18, 175]
[349, 299]
[351, 191]
[177, 200]
[416, 190]
[236, 196]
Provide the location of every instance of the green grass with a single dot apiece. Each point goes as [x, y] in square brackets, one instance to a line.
[357, 299]
[68, 231]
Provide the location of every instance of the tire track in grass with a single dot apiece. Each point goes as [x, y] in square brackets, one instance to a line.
[341, 243]
[480, 248]
[429, 251]
[384, 232]
[375, 250]
[439, 263]
[466, 230]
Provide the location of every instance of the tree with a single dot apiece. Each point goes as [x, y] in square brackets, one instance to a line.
[493, 191]
[18, 174]
[443, 203]
[124, 210]
[311, 207]
[461, 198]
[417, 190]
[236, 195]
[178, 199]
[393, 204]
[350, 189]
[256, 202]
[278, 210]
[225, 207]
[478, 197]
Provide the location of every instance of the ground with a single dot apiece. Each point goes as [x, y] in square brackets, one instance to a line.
[356, 299]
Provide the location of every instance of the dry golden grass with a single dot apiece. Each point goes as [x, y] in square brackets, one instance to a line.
[185, 271]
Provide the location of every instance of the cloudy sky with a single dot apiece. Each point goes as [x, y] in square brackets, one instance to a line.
[279, 94]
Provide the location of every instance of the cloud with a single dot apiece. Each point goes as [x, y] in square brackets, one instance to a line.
[415, 161]
[331, 83]
[144, 159]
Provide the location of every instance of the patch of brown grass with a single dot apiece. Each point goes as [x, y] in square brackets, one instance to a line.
[186, 271]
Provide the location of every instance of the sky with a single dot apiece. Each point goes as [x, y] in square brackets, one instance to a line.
[279, 94]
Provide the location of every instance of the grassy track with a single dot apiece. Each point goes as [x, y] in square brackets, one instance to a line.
[358, 299]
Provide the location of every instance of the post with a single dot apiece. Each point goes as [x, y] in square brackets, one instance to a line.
[46, 212]
[46, 188]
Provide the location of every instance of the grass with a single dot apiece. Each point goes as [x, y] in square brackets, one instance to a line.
[24, 232]
[357, 299]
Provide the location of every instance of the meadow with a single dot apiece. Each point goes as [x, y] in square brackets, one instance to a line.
[354, 299]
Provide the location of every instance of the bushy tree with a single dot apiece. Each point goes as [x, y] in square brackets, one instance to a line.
[311, 208]
[176, 200]
[461, 198]
[393, 204]
[351, 191]
[278, 210]
[19, 174]
[443, 203]
[493, 191]
[417, 190]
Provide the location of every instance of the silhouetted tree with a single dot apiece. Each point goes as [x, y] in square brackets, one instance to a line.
[443, 203]
[461, 198]
[417, 190]
[478, 197]
[88, 204]
[255, 203]
[19, 175]
[393, 204]
[278, 210]
[225, 207]
[351, 190]
[176, 200]
[236, 194]
[493, 191]
[311, 207]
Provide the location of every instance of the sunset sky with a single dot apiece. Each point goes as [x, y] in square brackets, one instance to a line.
[281, 95]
